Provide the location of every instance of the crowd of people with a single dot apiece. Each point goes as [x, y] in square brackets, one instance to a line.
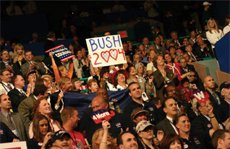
[170, 106]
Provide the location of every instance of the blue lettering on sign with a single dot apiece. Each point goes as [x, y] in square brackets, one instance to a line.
[105, 42]
[93, 45]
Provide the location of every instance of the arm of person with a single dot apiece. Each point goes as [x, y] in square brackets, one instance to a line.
[103, 143]
[71, 70]
[55, 68]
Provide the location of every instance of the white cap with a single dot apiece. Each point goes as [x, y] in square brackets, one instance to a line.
[207, 3]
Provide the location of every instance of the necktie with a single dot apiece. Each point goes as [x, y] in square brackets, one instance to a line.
[11, 124]
[9, 86]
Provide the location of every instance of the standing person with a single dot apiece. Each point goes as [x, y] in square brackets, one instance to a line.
[220, 139]
[12, 120]
[184, 127]
[5, 60]
[145, 132]
[70, 119]
[213, 34]
[18, 94]
[170, 107]
[42, 132]
[126, 140]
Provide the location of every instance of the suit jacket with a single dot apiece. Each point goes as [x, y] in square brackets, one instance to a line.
[3, 66]
[25, 68]
[200, 127]
[25, 110]
[18, 125]
[166, 126]
[17, 67]
[16, 98]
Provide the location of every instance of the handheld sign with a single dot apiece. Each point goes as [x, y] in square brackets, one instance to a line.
[61, 52]
[106, 50]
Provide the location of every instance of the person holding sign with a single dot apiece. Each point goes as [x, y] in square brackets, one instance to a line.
[61, 71]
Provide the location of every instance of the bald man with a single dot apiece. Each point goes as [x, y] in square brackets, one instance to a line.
[214, 96]
[99, 111]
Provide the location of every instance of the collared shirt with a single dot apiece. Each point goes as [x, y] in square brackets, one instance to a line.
[4, 87]
[171, 123]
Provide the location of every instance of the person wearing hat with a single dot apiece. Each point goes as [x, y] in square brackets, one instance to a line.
[60, 139]
[146, 135]
[207, 122]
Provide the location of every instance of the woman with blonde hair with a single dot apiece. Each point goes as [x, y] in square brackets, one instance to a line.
[18, 58]
[213, 34]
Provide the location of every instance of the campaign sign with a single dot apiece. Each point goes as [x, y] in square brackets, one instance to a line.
[61, 52]
[14, 145]
[106, 50]
[100, 115]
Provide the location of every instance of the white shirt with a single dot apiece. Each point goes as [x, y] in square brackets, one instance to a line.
[4, 88]
[214, 36]
[226, 29]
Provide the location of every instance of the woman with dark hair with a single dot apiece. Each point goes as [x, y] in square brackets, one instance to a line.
[42, 106]
[120, 80]
[41, 130]
[163, 74]
[171, 142]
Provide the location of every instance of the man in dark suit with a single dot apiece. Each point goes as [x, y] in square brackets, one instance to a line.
[12, 120]
[214, 96]
[5, 62]
[170, 107]
[31, 65]
[25, 108]
[207, 122]
[18, 94]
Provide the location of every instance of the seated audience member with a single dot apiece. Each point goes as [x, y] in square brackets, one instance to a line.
[7, 135]
[220, 139]
[173, 66]
[99, 111]
[174, 38]
[12, 120]
[194, 79]
[60, 140]
[50, 85]
[150, 68]
[214, 96]
[18, 58]
[146, 135]
[120, 80]
[69, 117]
[101, 138]
[202, 48]
[170, 107]
[31, 65]
[5, 85]
[184, 127]
[185, 68]
[190, 52]
[92, 85]
[42, 132]
[207, 122]
[126, 140]
[25, 108]
[6, 61]
[18, 94]
[133, 77]
[41, 106]
[171, 142]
